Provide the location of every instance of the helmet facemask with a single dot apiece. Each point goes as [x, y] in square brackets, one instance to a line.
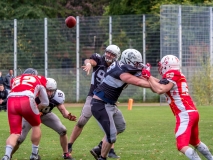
[51, 93]
[110, 57]
[135, 64]
[51, 87]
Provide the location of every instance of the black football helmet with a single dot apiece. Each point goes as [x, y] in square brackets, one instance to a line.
[31, 71]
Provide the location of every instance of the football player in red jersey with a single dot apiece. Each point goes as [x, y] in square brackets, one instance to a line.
[50, 119]
[174, 85]
[21, 104]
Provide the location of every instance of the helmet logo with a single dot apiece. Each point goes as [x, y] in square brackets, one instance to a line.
[131, 55]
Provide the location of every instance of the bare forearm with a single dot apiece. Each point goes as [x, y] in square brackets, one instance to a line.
[63, 111]
[143, 83]
[159, 88]
[130, 79]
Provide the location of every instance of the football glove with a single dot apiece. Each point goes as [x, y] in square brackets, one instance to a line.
[71, 117]
[146, 71]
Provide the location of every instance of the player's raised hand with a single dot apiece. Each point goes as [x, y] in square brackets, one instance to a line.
[87, 68]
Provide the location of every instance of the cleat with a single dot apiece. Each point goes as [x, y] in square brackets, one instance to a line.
[96, 152]
[35, 157]
[5, 158]
[113, 155]
[67, 156]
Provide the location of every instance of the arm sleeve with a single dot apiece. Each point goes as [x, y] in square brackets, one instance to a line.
[43, 97]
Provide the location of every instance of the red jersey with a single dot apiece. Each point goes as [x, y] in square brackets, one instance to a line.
[27, 85]
[178, 97]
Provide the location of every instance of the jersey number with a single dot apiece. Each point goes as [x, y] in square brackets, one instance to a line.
[185, 90]
[100, 75]
[45, 110]
[27, 80]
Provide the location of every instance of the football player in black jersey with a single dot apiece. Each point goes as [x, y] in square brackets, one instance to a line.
[103, 105]
[99, 64]
[49, 119]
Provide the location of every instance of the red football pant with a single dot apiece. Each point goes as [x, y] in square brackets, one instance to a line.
[19, 107]
[187, 131]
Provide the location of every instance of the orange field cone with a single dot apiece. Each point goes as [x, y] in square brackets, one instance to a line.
[130, 104]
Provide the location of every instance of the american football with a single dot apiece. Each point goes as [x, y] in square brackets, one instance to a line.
[70, 21]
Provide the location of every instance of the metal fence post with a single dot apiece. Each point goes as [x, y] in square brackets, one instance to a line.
[77, 60]
[110, 30]
[45, 48]
[144, 51]
[180, 35]
[210, 35]
[15, 47]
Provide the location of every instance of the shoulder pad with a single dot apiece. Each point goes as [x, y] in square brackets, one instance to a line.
[59, 96]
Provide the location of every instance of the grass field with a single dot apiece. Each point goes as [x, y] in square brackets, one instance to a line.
[149, 135]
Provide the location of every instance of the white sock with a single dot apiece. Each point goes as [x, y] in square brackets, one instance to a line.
[204, 150]
[8, 150]
[192, 154]
[34, 149]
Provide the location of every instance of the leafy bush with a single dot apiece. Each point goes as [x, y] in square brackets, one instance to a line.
[202, 83]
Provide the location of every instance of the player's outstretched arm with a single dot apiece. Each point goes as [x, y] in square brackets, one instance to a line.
[89, 63]
[66, 113]
[159, 88]
[130, 79]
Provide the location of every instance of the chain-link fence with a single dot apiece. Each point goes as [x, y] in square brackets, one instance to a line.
[186, 31]
[58, 52]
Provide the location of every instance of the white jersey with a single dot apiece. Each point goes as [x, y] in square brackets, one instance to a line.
[57, 99]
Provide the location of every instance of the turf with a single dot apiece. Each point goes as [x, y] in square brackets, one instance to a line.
[149, 135]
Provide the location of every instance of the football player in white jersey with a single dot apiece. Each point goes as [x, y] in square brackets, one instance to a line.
[49, 119]
[174, 85]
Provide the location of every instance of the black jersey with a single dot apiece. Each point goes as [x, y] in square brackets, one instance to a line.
[57, 99]
[111, 87]
[98, 72]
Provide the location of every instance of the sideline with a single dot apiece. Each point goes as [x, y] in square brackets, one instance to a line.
[119, 104]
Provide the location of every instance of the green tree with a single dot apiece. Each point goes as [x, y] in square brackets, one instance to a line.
[36, 9]
[121, 7]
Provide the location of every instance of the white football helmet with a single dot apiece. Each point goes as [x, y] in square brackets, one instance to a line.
[168, 62]
[132, 57]
[51, 85]
[114, 50]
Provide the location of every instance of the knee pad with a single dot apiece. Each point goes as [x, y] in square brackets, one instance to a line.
[121, 128]
[111, 139]
[82, 121]
[63, 132]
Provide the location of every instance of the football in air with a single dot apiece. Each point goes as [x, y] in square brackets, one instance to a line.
[70, 21]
